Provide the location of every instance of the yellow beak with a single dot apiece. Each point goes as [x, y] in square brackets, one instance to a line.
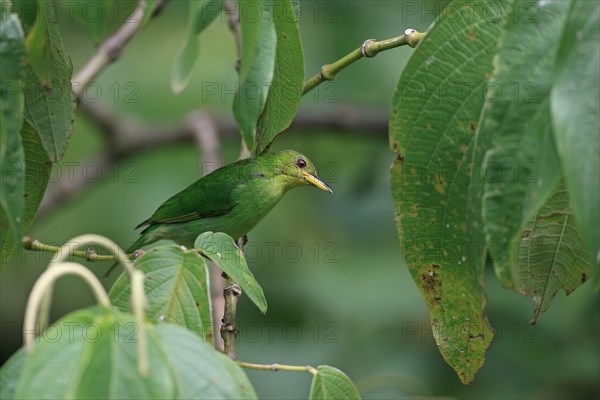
[316, 181]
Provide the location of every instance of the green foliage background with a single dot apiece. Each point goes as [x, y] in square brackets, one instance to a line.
[363, 313]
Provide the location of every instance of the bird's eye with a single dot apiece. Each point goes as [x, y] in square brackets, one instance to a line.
[300, 163]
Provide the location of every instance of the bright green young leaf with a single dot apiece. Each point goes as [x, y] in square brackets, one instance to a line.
[259, 42]
[436, 177]
[176, 287]
[37, 175]
[576, 117]
[39, 48]
[332, 384]
[12, 53]
[201, 14]
[9, 374]
[285, 91]
[49, 106]
[521, 169]
[551, 253]
[221, 249]
[92, 353]
[96, 352]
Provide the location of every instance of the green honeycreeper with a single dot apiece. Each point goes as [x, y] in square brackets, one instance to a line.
[231, 199]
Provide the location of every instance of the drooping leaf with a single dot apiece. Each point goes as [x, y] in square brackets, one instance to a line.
[551, 253]
[576, 117]
[221, 249]
[259, 43]
[201, 14]
[37, 175]
[332, 384]
[39, 48]
[285, 91]
[12, 52]
[49, 105]
[96, 350]
[176, 287]
[521, 168]
[436, 177]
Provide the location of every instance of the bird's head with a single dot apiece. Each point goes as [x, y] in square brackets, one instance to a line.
[296, 170]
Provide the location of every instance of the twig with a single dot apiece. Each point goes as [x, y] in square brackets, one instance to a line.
[278, 367]
[370, 48]
[110, 50]
[89, 255]
[229, 331]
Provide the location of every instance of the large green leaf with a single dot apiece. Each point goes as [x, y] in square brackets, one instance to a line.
[37, 175]
[9, 374]
[176, 287]
[520, 170]
[436, 177]
[12, 53]
[576, 117]
[49, 105]
[551, 253]
[203, 371]
[93, 354]
[332, 384]
[259, 42]
[221, 249]
[201, 14]
[285, 91]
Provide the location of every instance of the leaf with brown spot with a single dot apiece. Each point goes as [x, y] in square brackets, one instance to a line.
[438, 217]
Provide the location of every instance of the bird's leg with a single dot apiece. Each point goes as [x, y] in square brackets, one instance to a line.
[235, 288]
[241, 242]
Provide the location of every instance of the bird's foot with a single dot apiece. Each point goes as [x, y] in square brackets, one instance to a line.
[235, 289]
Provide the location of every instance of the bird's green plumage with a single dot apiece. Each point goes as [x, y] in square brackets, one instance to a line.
[231, 199]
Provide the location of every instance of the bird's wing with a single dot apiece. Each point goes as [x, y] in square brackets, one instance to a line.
[207, 197]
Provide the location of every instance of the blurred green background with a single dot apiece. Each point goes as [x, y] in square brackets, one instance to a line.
[331, 267]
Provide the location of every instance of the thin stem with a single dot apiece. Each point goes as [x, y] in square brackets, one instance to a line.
[370, 48]
[278, 367]
[89, 255]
